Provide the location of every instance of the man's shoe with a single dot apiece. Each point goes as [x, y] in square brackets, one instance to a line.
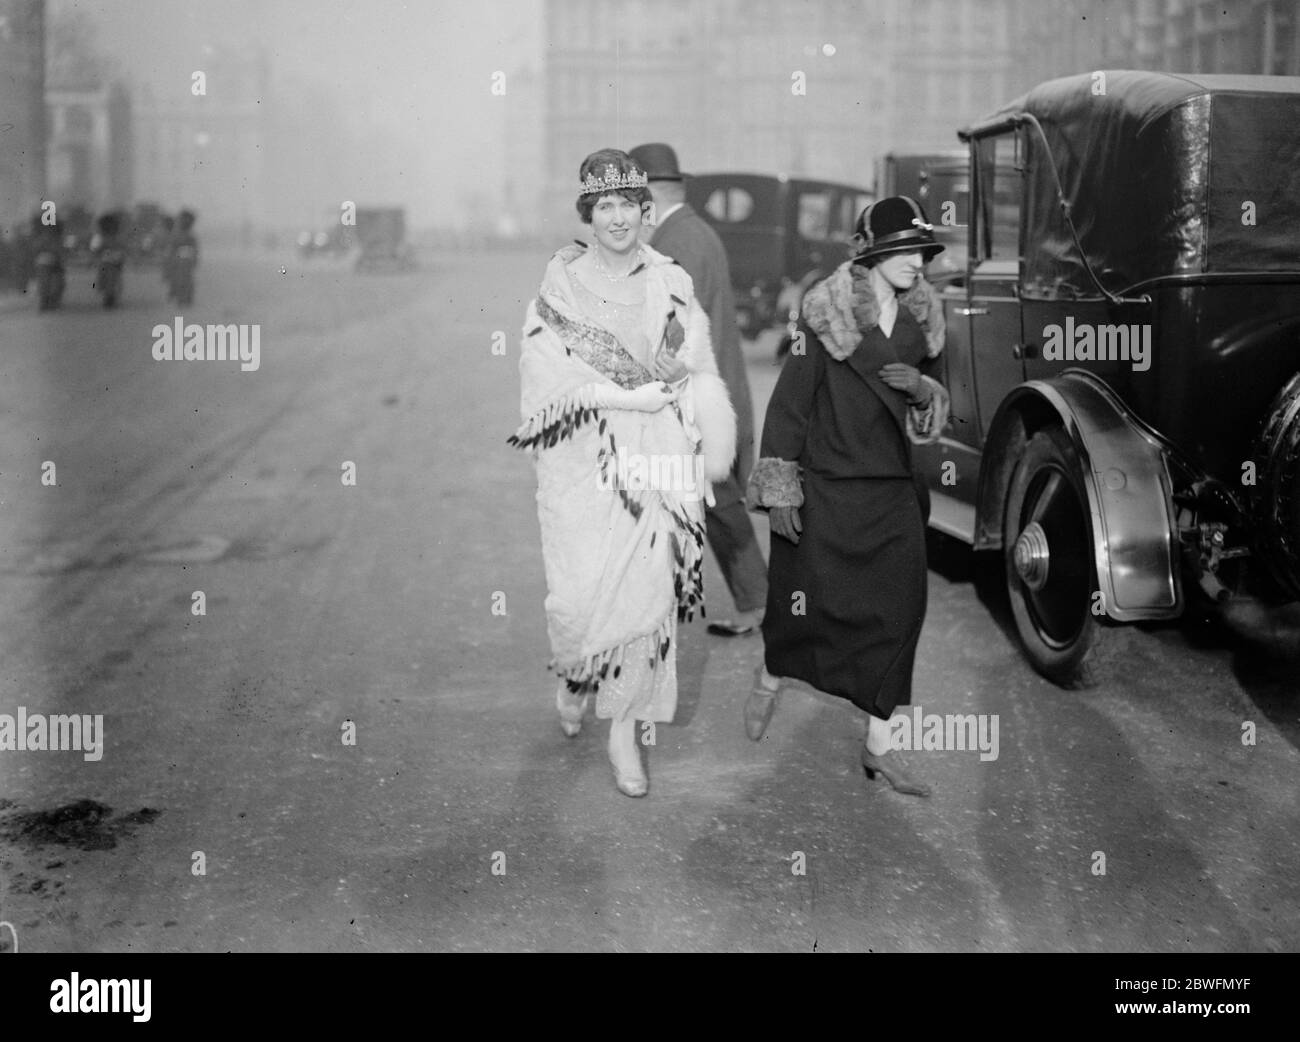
[745, 623]
[727, 628]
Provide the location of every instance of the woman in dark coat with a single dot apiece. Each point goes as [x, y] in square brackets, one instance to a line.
[847, 572]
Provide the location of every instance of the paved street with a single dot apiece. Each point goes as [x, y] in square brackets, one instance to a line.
[461, 818]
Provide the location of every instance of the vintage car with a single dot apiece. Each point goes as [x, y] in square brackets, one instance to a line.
[381, 235]
[781, 235]
[1123, 356]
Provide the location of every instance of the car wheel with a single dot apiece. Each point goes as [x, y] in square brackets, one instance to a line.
[1279, 450]
[1050, 572]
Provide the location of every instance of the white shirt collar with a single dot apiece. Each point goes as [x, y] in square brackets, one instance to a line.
[669, 212]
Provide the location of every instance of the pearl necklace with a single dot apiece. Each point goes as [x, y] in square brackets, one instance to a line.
[603, 273]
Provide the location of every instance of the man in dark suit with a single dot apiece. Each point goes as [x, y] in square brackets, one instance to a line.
[683, 235]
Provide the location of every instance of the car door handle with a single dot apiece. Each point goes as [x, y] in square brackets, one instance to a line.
[972, 311]
[1026, 350]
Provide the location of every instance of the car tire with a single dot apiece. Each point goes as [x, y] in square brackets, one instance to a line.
[1279, 482]
[1051, 574]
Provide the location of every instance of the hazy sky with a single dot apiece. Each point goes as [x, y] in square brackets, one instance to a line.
[415, 70]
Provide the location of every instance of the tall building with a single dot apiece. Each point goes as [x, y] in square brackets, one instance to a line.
[202, 143]
[22, 110]
[88, 145]
[618, 73]
[818, 88]
[1252, 37]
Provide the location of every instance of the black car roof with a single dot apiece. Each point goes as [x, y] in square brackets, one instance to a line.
[1163, 175]
[1136, 97]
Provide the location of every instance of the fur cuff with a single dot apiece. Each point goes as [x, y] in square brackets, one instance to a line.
[926, 423]
[774, 483]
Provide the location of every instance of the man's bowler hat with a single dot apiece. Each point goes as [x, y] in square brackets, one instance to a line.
[895, 225]
[658, 161]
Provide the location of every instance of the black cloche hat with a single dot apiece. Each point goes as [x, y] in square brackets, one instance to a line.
[658, 160]
[895, 225]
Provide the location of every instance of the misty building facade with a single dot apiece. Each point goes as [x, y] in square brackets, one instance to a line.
[820, 90]
[22, 109]
[825, 89]
[89, 158]
[1248, 37]
[203, 143]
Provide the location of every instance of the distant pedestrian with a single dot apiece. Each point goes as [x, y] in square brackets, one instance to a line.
[848, 572]
[166, 233]
[183, 258]
[686, 237]
[616, 371]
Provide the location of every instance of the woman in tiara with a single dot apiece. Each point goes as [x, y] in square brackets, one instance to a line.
[628, 422]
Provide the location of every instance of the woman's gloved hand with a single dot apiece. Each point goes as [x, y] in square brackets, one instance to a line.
[649, 397]
[909, 380]
[785, 523]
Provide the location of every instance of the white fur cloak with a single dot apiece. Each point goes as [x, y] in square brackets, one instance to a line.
[620, 559]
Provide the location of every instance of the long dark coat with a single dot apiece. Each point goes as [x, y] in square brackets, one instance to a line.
[858, 573]
[688, 239]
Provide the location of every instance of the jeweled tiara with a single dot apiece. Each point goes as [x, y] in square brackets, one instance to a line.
[613, 181]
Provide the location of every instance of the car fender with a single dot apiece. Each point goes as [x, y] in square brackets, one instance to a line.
[1125, 473]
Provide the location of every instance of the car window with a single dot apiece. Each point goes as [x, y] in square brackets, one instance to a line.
[814, 216]
[846, 217]
[947, 199]
[1000, 195]
[729, 205]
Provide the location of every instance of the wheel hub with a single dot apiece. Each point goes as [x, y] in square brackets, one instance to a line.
[1031, 556]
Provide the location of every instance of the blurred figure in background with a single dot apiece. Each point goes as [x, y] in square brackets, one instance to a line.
[183, 258]
[683, 235]
[44, 257]
[109, 248]
[8, 257]
[167, 231]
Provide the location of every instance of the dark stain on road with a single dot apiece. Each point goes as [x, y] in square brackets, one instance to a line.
[83, 825]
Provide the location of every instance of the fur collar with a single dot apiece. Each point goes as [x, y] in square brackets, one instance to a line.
[842, 308]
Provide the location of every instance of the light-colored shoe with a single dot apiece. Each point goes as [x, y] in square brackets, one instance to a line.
[572, 709]
[629, 775]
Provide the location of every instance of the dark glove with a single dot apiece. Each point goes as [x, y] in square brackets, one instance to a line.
[907, 379]
[785, 523]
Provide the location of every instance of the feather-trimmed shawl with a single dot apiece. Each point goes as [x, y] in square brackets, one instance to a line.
[620, 560]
